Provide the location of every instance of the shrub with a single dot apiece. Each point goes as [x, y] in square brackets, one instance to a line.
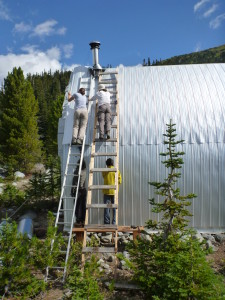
[11, 196]
[85, 285]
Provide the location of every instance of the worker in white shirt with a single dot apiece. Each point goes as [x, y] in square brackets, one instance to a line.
[104, 111]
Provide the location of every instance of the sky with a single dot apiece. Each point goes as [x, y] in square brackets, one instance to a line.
[43, 35]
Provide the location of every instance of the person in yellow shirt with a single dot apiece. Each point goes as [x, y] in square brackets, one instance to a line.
[109, 194]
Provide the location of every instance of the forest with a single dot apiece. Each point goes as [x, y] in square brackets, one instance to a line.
[29, 111]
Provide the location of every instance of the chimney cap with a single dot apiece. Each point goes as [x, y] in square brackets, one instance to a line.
[95, 44]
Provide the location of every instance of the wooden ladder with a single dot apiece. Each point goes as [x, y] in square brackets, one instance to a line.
[109, 79]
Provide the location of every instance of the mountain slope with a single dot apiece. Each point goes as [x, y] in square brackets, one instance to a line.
[212, 55]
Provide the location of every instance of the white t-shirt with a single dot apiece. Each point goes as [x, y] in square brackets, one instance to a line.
[80, 101]
[103, 97]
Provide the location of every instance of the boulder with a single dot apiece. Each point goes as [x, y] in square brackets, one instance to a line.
[19, 174]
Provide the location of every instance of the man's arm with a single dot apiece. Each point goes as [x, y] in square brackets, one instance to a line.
[70, 98]
[95, 97]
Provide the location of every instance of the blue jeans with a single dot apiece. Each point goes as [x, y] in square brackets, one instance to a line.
[109, 199]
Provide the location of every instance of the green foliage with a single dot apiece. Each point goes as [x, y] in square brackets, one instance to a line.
[86, 285]
[46, 253]
[11, 196]
[49, 90]
[20, 144]
[213, 55]
[174, 206]
[45, 186]
[22, 259]
[172, 264]
[56, 112]
[16, 262]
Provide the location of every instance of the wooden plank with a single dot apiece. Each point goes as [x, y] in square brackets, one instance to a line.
[108, 73]
[102, 205]
[98, 250]
[104, 154]
[108, 81]
[103, 170]
[101, 187]
[105, 140]
[112, 126]
[100, 226]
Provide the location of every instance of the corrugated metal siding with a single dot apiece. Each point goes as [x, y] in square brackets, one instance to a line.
[194, 97]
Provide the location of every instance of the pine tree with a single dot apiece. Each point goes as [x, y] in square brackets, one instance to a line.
[21, 147]
[172, 263]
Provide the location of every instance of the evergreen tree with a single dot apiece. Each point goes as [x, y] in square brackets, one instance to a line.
[172, 264]
[21, 147]
[56, 112]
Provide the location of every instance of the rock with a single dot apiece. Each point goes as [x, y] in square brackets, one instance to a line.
[105, 266]
[145, 237]
[100, 261]
[122, 265]
[18, 174]
[111, 258]
[208, 236]
[38, 168]
[220, 238]
[126, 254]
[106, 239]
[210, 245]
[198, 236]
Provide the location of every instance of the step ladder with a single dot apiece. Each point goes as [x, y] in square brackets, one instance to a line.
[109, 79]
[75, 153]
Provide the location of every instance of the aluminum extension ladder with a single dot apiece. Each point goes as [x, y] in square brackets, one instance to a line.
[74, 152]
[109, 79]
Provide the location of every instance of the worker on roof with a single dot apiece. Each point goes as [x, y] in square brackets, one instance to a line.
[80, 116]
[104, 111]
[109, 194]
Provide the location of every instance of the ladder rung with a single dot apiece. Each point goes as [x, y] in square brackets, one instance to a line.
[72, 174]
[103, 170]
[102, 206]
[73, 164]
[56, 267]
[103, 154]
[62, 223]
[70, 185]
[66, 209]
[65, 197]
[112, 126]
[105, 140]
[108, 81]
[102, 187]
[108, 73]
[99, 250]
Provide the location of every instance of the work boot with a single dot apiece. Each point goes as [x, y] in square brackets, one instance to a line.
[101, 137]
[79, 142]
[108, 135]
[74, 141]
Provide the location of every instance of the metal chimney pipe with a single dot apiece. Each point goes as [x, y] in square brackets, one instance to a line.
[95, 46]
